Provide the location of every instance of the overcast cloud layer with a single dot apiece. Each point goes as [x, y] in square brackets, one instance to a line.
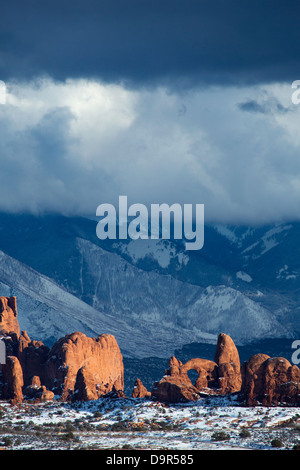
[185, 102]
[179, 42]
[69, 147]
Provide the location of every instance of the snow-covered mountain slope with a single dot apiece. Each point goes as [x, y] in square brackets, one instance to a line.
[269, 260]
[267, 254]
[152, 294]
[160, 301]
[149, 313]
[221, 308]
[48, 312]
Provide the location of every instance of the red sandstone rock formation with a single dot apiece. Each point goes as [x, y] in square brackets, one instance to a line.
[37, 391]
[221, 376]
[90, 367]
[252, 377]
[32, 356]
[139, 390]
[229, 368]
[226, 351]
[12, 380]
[176, 385]
[174, 390]
[8, 316]
[206, 370]
[270, 381]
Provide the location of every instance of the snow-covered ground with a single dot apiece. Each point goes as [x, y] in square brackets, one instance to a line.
[211, 423]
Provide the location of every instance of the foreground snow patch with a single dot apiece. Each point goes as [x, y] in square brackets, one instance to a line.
[210, 423]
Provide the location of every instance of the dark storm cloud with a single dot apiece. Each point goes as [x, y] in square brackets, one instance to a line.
[140, 41]
[68, 147]
[77, 129]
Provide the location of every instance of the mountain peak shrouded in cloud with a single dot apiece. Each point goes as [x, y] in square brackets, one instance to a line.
[175, 102]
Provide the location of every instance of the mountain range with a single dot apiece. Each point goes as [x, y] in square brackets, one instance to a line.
[153, 295]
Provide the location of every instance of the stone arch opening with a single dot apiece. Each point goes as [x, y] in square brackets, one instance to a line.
[201, 372]
[192, 375]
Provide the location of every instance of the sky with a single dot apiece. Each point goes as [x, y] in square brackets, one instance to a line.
[162, 101]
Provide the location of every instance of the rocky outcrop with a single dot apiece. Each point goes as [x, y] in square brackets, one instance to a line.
[270, 381]
[229, 367]
[175, 386]
[206, 370]
[84, 368]
[260, 380]
[221, 376]
[8, 316]
[37, 391]
[12, 380]
[32, 356]
[139, 390]
[77, 366]
[226, 351]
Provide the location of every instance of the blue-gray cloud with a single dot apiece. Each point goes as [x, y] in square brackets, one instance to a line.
[70, 147]
[177, 43]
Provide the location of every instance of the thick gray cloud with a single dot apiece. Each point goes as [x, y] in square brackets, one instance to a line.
[178, 43]
[163, 101]
[68, 147]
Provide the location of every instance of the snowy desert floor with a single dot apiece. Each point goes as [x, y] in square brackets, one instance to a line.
[211, 423]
